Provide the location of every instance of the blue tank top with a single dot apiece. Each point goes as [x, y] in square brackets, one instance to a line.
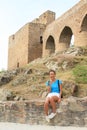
[54, 86]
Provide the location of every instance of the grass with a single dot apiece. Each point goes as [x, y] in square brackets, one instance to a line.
[80, 73]
[34, 84]
[65, 75]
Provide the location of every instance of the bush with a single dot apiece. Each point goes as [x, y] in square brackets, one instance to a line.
[80, 73]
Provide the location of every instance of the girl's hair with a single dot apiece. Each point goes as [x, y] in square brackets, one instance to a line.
[52, 71]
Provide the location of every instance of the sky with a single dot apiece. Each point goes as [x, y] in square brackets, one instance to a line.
[14, 14]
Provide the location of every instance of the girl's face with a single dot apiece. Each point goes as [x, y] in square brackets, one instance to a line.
[52, 75]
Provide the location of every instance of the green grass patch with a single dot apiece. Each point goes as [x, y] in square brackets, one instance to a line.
[80, 73]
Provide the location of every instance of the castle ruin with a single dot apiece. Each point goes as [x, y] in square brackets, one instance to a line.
[46, 35]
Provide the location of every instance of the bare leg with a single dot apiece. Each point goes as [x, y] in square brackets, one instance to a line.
[53, 104]
[53, 101]
[46, 105]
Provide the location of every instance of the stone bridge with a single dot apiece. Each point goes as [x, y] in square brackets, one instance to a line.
[56, 35]
[69, 29]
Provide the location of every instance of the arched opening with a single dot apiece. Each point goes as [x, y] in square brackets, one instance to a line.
[84, 24]
[50, 45]
[17, 64]
[82, 35]
[66, 36]
[72, 41]
[41, 39]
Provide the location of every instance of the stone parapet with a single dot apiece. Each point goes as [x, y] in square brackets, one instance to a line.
[70, 112]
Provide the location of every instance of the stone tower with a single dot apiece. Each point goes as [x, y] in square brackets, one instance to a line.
[45, 35]
[27, 43]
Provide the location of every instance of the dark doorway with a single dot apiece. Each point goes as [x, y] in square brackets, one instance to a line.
[66, 36]
[50, 44]
[84, 24]
[17, 64]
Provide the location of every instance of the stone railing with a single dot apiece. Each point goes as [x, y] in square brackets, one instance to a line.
[70, 112]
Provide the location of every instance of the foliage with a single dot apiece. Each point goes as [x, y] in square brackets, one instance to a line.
[80, 73]
[2, 71]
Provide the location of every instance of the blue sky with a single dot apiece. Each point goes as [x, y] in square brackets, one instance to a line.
[16, 13]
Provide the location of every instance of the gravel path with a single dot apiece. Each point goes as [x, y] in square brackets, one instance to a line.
[15, 126]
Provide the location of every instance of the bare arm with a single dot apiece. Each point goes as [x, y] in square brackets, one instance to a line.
[48, 89]
[60, 90]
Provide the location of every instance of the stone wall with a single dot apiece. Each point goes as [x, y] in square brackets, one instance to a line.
[26, 44]
[71, 23]
[70, 112]
[45, 18]
[54, 35]
[35, 44]
[18, 48]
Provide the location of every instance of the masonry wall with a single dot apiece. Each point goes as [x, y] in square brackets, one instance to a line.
[70, 112]
[35, 40]
[65, 26]
[18, 48]
[45, 18]
[26, 44]
[45, 35]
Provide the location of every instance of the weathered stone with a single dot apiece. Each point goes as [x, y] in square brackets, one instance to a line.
[5, 80]
[85, 120]
[21, 80]
[73, 106]
[6, 95]
[29, 71]
[72, 23]
[7, 76]
[44, 94]
[32, 112]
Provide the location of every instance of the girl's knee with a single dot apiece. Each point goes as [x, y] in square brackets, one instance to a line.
[51, 99]
[47, 100]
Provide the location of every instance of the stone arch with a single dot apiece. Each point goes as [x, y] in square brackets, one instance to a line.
[50, 45]
[65, 37]
[84, 24]
[72, 41]
[82, 35]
